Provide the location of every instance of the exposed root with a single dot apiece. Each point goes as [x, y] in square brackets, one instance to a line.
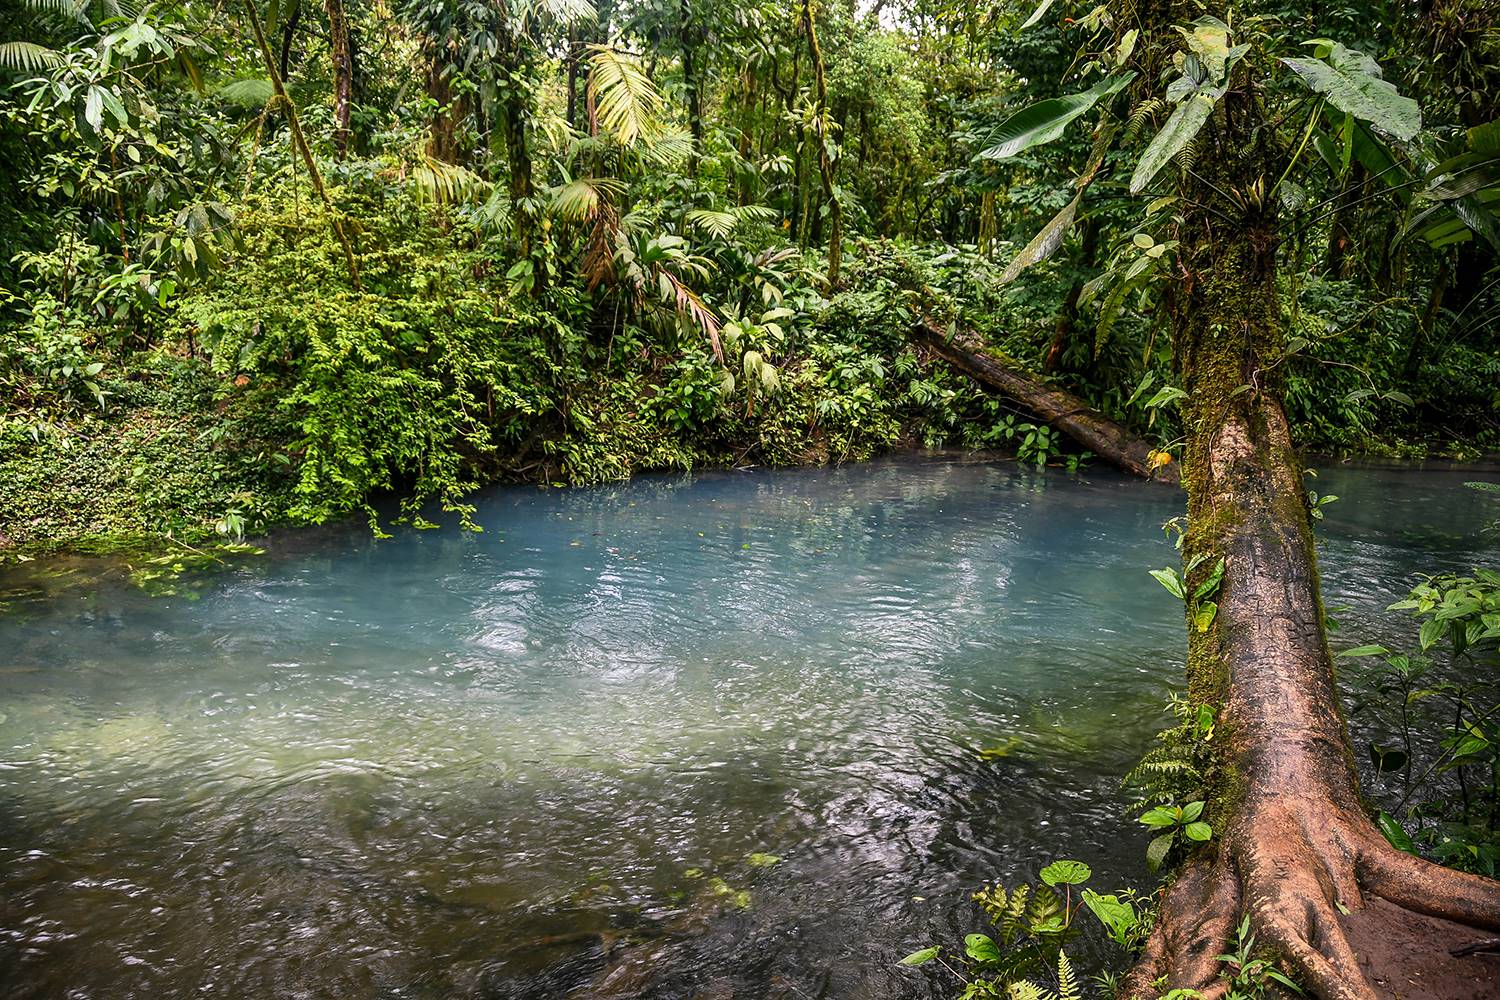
[1197, 918]
[1423, 887]
[1293, 869]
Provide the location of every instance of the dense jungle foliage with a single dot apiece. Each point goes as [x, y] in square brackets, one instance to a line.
[274, 261]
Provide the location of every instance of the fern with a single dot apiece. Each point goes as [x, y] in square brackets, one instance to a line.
[1028, 991]
[1144, 112]
[1011, 920]
[1068, 988]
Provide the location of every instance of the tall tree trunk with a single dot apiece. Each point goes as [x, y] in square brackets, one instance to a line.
[822, 130]
[1293, 845]
[1067, 317]
[343, 72]
[442, 139]
[688, 34]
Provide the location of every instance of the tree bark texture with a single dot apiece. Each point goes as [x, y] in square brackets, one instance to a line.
[1294, 846]
[1056, 407]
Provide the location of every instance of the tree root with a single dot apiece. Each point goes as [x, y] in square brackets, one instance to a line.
[1294, 866]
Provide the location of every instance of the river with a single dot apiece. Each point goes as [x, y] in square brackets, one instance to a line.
[732, 735]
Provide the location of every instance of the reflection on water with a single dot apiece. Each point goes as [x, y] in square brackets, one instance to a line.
[537, 761]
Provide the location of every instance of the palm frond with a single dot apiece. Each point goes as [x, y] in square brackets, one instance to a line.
[27, 57]
[693, 308]
[668, 147]
[715, 223]
[624, 99]
[447, 183]
[580, 200]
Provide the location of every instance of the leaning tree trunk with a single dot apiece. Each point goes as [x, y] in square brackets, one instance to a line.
[1293, 843]
[1059, 409]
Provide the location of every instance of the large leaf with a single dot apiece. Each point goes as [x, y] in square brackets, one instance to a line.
[626, 100]
[1351, 82]
[1038, 14]
[1046, 120]
[1185, 123]
[1045, 243]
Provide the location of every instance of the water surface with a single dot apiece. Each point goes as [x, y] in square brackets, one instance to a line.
[714, 736]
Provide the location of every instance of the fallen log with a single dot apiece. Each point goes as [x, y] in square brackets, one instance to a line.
[1056, 407]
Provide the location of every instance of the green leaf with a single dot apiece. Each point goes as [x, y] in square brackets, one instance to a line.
[1160, 817]
[1203, 618]
[1210, 585]
[1037, 14]
[759, 860]
[1156, 851]
[1394, 834]
[1066, 873]
[1168, 578]
[1359, 651]
[921, 957]
[1432, 630]
[1198, 831]
[1111, 912]
[1046, 120]
[1045, 243]
[1192, 811]
[1351, 82]
[981, 948]
[1186, 122]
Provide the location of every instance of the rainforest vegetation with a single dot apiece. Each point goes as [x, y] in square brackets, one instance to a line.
[276, 262]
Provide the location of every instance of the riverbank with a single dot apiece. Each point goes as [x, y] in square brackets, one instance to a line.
[181, 457]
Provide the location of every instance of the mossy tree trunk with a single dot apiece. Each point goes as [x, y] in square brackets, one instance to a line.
[1294, 846]
[341, 49]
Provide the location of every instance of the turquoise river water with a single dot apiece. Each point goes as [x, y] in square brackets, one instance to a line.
[716, 736]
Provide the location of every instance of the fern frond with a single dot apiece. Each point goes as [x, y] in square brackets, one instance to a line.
[1144, 112]
[249, 93]
[1067, 986]
[1015, 913]
[1027, 991]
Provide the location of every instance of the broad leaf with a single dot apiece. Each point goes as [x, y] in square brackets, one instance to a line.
[1066, 873]
[1045, 243]
[1185, 123]
[1156, 851]
[1046, 120]
[981, 948]
[1351, 82]
[921, 957]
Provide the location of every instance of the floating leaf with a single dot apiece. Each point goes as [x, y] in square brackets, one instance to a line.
[921, 957]
[758, 860]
